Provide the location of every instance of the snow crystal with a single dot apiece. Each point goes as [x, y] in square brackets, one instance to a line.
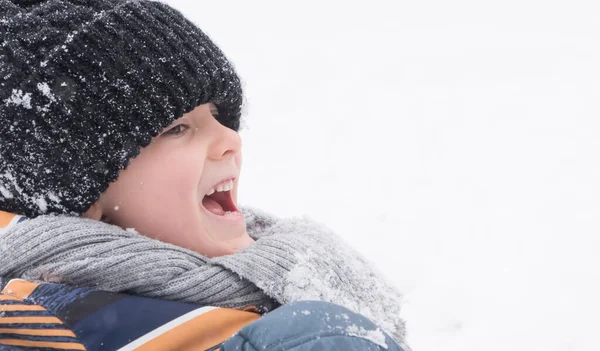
[7, 194]
[117, 208]
[42, 109]
[70, 37]
[12, 179]
[305, 312]
[45, 89]
[131, 230]
[376, 336]
[43, 63]
[52, 196]
[18, 98]
[41, 203]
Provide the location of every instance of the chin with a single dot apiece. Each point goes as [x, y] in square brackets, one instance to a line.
[241, 242]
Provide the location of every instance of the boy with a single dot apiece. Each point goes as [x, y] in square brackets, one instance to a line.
[123, 114]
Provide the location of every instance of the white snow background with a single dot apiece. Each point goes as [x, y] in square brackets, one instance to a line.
[454, 143]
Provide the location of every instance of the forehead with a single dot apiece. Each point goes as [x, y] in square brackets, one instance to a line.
[199, 110]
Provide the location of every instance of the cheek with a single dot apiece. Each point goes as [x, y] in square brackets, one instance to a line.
[169, 184]
[155, 188]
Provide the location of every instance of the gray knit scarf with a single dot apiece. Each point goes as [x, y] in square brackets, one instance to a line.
[293, 259]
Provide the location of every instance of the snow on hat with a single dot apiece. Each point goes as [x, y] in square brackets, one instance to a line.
[84, 84]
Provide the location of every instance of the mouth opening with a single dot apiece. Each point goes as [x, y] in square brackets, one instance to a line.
[219, 203]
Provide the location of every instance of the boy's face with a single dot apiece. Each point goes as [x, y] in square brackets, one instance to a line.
[161, 192]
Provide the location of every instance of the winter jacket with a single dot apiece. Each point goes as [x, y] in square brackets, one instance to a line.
[58, 317]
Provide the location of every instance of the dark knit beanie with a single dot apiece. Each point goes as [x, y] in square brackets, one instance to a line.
[84, 84]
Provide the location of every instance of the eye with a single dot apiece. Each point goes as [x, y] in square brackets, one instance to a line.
[178, 130]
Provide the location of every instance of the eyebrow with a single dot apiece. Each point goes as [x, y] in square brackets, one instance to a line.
[214, 109]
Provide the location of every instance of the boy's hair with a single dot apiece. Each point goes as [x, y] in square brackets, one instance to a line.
[84, 84]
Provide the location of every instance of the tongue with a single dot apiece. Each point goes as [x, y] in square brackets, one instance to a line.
[212, 206]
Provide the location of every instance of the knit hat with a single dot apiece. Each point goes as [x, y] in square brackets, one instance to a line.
[84, 84]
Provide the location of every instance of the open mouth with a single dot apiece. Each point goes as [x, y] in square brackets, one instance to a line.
[219, 203]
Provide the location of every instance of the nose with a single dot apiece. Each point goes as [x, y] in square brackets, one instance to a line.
[225, 142]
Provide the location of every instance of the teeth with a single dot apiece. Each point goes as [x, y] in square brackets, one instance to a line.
[225, 186]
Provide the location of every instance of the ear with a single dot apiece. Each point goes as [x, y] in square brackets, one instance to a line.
[94, 212]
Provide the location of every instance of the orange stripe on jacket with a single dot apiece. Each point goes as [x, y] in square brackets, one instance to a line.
[8, 298]
[38, 332]
[40, 344]
[29, 319]
[19, 288]
[6, 308]
[202, 332]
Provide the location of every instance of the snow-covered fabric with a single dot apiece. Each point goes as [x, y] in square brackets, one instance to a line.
[311, 325]
[292, 260]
